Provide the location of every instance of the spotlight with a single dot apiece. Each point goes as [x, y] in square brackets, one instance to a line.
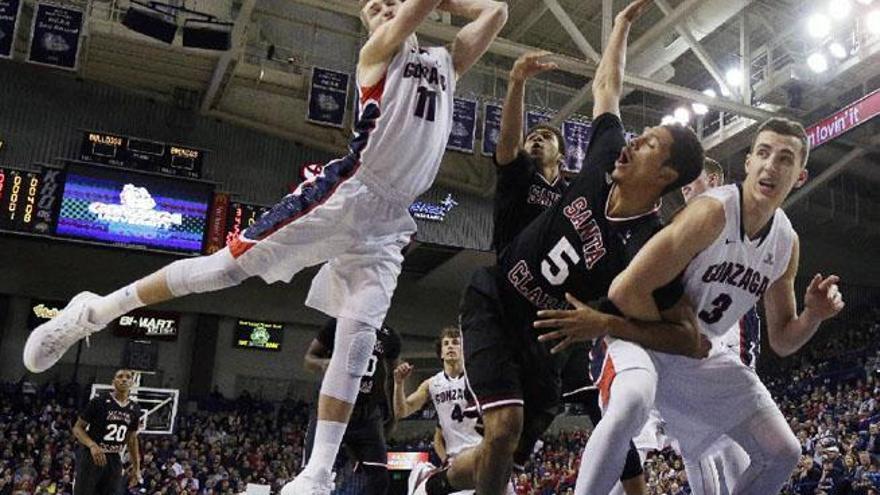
[839, 9]
[149, 21]
[817, 63]
[710, 93]
[818, 25]
[699, 108]
[837, 50]
[682, 116]
[734, 77]
[865, 2]
[668, 120]
[872, 22]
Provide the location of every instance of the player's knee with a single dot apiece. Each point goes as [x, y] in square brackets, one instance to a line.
[378, 481]
[204, 274]
[355, 341]
[787, 451]
[502, 429]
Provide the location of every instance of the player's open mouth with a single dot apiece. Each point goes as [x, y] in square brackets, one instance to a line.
[766, 186]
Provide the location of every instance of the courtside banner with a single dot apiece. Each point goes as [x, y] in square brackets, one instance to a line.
[55, 37]
[845, 120]
[464, 126]
[10, 12]
[327, 97]
[491, 128]
[535, 117]
[577, 138]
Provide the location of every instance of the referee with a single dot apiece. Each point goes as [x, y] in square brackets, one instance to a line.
[104, 428]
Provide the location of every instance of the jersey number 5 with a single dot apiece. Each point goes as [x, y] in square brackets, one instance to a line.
[115, 433]
[719, 306]
[426, 106]
[555, 267]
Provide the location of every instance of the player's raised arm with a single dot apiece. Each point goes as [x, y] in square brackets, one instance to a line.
[511, 134]
[608, 82]
[786, 330]
[405, 405]
[664, 257]
[487, 19]
[386, 39]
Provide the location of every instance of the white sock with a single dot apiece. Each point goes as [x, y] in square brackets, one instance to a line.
[328, 437]
[113, 305]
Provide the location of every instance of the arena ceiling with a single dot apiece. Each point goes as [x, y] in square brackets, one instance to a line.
[677, 51]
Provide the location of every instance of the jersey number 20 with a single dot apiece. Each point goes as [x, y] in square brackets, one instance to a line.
[115, 433]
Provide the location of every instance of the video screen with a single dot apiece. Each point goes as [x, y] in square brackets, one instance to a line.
[127, 208]
[259, 335]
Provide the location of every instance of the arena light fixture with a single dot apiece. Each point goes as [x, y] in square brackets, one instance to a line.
[872, 22]
[710, 93]
[819, 25]
[817, 62]
[668, 120]
[682, 115]
[699, 109]
[839, 9]
[865, 2]
[734, 77]
[207, 34]
[151, 21]
[837, 50]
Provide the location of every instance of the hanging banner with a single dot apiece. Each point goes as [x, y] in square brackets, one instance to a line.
[10, 12]
[464, 126]
[535, 117]
[216, 238]
[845, 120]
[491, 128]
[55, 36]
[48, 200]
[327, 96]
[577, 139]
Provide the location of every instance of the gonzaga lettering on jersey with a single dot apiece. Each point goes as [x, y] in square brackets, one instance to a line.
[727, 278]
[414, 106]
[450, 400]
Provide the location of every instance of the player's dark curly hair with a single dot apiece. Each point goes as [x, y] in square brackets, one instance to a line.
[686, 156]
[556, 132]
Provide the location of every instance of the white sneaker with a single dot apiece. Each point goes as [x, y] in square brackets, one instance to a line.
[49, 341]
[415, 485]
[307, 485]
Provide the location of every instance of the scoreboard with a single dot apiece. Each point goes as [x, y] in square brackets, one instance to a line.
[18, 199]
[141, 154]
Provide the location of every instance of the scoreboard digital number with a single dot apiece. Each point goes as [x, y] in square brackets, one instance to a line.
[18, 199]
[141, 154]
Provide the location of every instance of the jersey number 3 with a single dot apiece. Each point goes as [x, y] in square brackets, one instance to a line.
[115, 433]
[426, 106]
[719, 306]
[555, 267]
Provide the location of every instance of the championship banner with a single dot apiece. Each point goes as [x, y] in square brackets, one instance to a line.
[48, 200]
[216, 238]
[464, 126]
[845, 120]
[55, 36]
[327, 96]
[535, 117]
[577, 139]
[491, 128]
[10, 11]
[146, 323]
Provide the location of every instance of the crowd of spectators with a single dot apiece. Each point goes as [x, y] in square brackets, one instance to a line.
[830, 393]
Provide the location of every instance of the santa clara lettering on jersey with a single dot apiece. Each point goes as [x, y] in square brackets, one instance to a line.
[521, 277]
[542, 196]
[581, 217]
[737, 275]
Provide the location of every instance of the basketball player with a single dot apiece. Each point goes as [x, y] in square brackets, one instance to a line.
[447, 391]
[107, 425]
[354, 216]
[579, 245]
[735, 246]
[528, 182]
[365, 435]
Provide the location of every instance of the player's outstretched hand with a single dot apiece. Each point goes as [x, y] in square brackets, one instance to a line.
[402, 371]
[574, 325]
[634, 10]
[823, 298]
[98, 455]
[530, 64]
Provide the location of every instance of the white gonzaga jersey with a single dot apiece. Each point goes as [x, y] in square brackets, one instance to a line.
[411, 108]
[449, 396]
[727, 278]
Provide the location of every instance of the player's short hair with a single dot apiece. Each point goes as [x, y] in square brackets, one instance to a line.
[787, 127]
[712, 167]
[449, 332]
[556, 132]
[686, 156]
